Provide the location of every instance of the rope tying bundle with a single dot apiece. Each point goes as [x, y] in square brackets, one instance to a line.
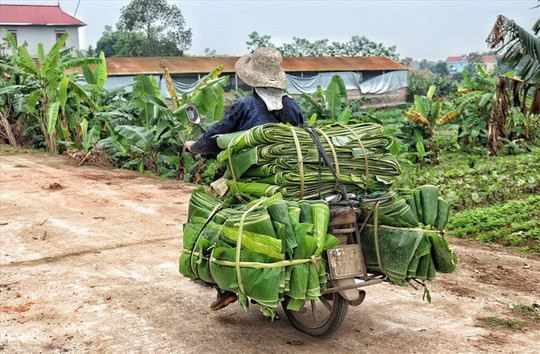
[239, 244]
[300, 161]
[364, 152]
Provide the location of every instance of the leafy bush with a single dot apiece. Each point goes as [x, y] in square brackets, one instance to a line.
[516, 223]
[419, 85]
[467, 181]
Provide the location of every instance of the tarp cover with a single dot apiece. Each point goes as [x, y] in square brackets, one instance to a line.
[114, 82]
[385, 83]
[381, 84]
[297, 85]
[179, 86]
[353, 81]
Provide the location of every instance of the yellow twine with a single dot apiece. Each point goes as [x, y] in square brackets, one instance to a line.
[231, 168]
[300, 161]
[364, 152]
[239, 244]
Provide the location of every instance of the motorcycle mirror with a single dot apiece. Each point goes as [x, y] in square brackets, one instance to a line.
[193, 114]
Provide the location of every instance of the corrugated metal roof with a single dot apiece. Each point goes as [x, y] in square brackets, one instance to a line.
[36, 15]
[186, 65]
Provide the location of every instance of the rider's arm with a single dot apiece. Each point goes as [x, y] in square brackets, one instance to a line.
[293, 112]
[230, 123]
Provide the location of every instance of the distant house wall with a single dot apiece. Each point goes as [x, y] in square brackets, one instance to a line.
[490, 66]
[456, 65]
[386, 99]
[47, 35]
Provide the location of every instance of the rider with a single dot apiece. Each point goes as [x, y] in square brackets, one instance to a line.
[262, 70]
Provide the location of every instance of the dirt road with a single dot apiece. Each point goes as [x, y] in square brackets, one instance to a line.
[89, 263]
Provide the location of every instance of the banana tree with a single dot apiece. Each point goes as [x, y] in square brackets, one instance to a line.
[473, 104]
[208, 96]
[330, 106]
[428, 112]
[518, 48]
[52, 86]
[140, 132]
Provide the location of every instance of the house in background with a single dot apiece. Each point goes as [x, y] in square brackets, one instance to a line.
[39, 24]
[489, 63]
[457, 64]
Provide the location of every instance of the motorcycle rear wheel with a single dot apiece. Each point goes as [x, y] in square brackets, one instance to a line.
[319, 318]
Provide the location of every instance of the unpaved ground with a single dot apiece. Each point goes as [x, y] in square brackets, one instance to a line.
[89, 263]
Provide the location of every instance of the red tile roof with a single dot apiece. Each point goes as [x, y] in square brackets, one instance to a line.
[36, 15]
[184, 65]
[484, 58]
[453, 59]
[489, 58]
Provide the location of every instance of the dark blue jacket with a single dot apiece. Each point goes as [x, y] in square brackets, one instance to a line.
[246, 113]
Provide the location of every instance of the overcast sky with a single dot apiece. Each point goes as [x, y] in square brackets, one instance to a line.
[420, 29]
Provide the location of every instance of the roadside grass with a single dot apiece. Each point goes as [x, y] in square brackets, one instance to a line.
[532, 311]
[504, 323]
[522, 318]
[8, 150]
[516, 224]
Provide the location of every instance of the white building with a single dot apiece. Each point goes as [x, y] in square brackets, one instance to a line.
[39, 24]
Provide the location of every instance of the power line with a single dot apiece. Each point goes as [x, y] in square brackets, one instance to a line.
[78, 2]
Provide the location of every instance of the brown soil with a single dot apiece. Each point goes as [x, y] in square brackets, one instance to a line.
[93, 266]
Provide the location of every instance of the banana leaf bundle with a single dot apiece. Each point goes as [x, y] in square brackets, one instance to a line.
[419, 207]
[275, 158]
[262, 250]
[407, 253]
[409, 242]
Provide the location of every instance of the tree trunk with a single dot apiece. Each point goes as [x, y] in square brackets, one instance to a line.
[535, 105]
[50, 139]
[497, 118]
[4, 123]
[526, 88]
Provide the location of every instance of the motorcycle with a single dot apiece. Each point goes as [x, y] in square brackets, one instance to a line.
[347, 272]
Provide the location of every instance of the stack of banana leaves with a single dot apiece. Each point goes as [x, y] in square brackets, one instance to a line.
[281, 158]
[262, 250]
[408, 242]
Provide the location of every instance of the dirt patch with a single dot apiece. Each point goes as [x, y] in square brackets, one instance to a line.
[55, 186]
[19, 308]
[99, 177]
[456, 289]
[507, 277]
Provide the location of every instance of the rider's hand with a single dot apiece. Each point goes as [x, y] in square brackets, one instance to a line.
[188, 145]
